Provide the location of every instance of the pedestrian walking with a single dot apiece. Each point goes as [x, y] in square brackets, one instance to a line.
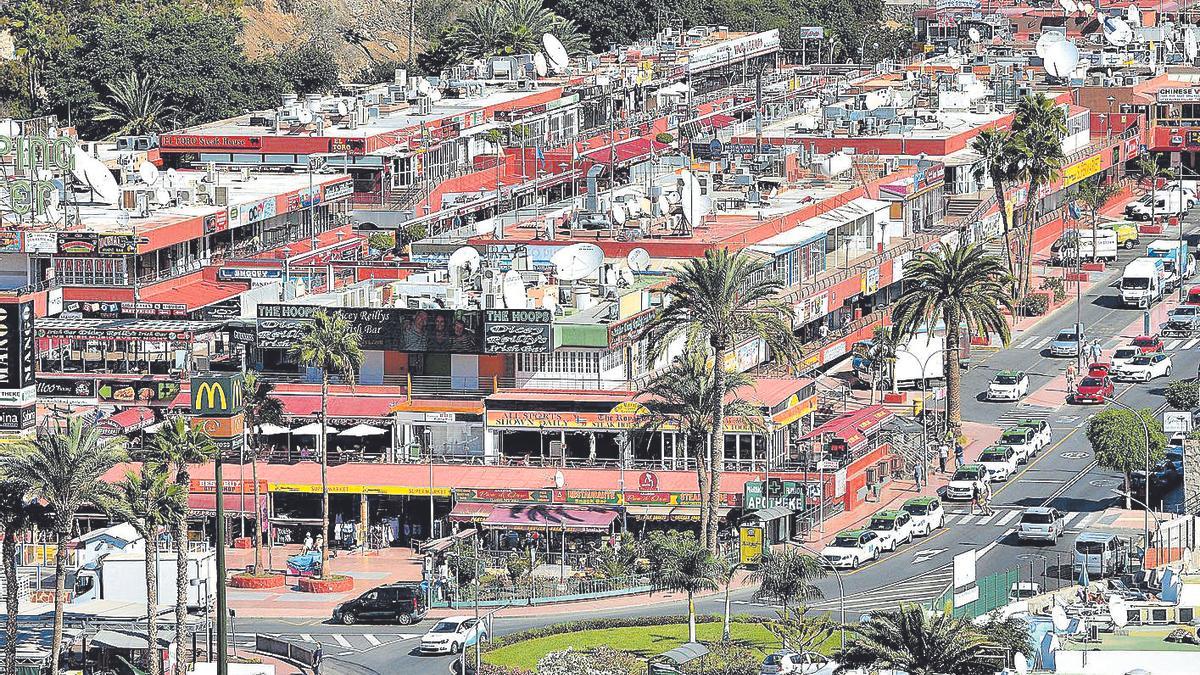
[943, 456]
[917, 476]
[1070, 378]
[985, 497]
[958, 455]
[974, 497]
[1096, 351]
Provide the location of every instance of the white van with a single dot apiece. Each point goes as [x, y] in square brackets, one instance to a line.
[1142, 282]
[1164, 203]
[1099, 244]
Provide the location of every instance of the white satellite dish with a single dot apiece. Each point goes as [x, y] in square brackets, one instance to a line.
[1117, 32]
[81, 162]
[465, 258]
[148, 173]
[172, 177]
[1045, 41]
[1020, 664]
[618, 214]
[1059, 618]
[514, 291]
[1133, 15]
[342, 109]
[550, 302]
[638, 259]
[485, 226]
[1117, 611]
[1069, 6]
[664, 206]
[1087, 8]
[1061, 59]
[644, 206]
[162, 195]
[435, 95]
[577, 261]
[539, 64]
[556, 52]
[304, 116]
[973, 33]
[101, 181]
[627, 277]
[11, 128]
[423, 86]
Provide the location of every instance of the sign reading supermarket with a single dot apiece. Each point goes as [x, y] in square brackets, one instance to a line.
[1080, 170]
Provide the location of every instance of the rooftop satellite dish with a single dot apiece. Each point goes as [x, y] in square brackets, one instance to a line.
[81, 161]
[1020, 664]
[435, 95]
[664, 206]
[11, 128]
[1069, 6]
[539, 64]
[1045, 41]
[1059, 618]
[550, 302]
[485, 226]
[555, 52]
[618, 214]
[644, 206]
[148, 173]
[638, 259]
[342, 109]
[627, 277]
[304, 116]
[1117, 32]
[1117, 611]
[465, 258]
[423, 86]
[162, 195]
[973, 33]
[101, 181]
[1061, 59]
[577, 261]
[560, 481]
[1133, 15]
[172, 177]
[514, 291]
[1087, 8]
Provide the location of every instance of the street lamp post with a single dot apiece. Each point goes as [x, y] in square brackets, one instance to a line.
[841, 589]
[1146, 507]
[924, 384]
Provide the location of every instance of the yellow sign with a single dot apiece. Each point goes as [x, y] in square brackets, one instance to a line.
[927, 48]
[359, 489]
[629, 408]
[751, 538]
[528, 419]
[217, 396]
[1080, 170]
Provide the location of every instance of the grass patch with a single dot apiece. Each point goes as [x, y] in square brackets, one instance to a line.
[645, 641]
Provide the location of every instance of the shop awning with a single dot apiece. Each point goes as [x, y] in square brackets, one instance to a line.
[120, 640]
[771, 513]
[314, 429]
[673, 513]
[470, 512]
[128, 421]
[195, 292]
[205, 504]
[625, 151]
[363, 430]
[269, 429]
[541, 516]
[439, 545]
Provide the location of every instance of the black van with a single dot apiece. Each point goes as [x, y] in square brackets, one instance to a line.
[400, 603]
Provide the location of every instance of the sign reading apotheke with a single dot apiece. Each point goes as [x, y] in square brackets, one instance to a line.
[776, 492]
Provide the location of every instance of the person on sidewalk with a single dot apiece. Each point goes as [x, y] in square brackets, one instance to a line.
[917, 475]
[1096, 351]
[1070, 378]
[974, 497]
[958, 455]
[943, 456]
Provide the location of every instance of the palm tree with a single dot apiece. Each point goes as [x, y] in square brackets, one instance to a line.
[328, 342]
[716, 303]
[1041, 124]
[786, 575]
[64, 470]
[260, 408]
[885, 348]
[506, 27]
[17, 514]
[692, 569]
[135, 104]
[916, 642]
[1000, 152]
[1093, 196]
[683, 396]
[960, 286]
[1152, 171]
[178, 446]
[150, 502]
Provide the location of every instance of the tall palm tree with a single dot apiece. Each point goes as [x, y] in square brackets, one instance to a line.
[1094, 195]
[135, 104]
[505, 27]
[17, 514]
[962, 287]
[64, 470]
[1041, 123]
[882, 354]
[1000, 152]
[682, 396]
[178, 446]
[716, 303]
[692, 569]
[787, 575]
[261, 408]
[150, 502]
[328, 342]
[917, 642]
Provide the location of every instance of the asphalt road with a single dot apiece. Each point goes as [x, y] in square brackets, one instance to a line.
[1063, 475]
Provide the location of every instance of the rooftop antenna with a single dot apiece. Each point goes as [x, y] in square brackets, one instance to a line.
[577, 261]
[638, 259]
[556, 52]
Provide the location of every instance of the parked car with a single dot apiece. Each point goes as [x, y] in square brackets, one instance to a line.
[965, 479]
[894, 527]
[452, 634]
[1000, 461]
[399, 603]
[1066, 343]
[1124, 355]
[793, 663]
[1041, 429]
[927, 514]
[1147, 344]
[1040, 523]
[1145, 368]
[1023, 590]
[1024, 442]
[851, 548]
[1100, 369]
[1094, 390]
[1193, 296]
[1008, 385]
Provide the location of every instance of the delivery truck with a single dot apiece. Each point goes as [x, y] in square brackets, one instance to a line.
[1172, 251]
[1143, 282]
[918, 359]
[1098, 244]
[122, 576]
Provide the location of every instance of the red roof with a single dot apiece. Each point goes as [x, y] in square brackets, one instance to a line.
[129, 419]
[206, 503]
[850, 426]
[339, 406]
[194, 291]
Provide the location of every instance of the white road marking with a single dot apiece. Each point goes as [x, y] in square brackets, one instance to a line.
[372, 639]
[1190, 343]
[984, 519]
[1088, 520]
[966, 519]
[341, 640]
[306, 637]
[1171, 344]
[1008, 517]
[922, 556]
[1069, 517]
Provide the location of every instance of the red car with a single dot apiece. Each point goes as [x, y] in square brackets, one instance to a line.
[1193, 296]
[1094, 390]
[1099, 369]
[1147, 344]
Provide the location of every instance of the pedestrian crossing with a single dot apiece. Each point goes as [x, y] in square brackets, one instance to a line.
[1040, 342]
[334, 643]
[923, 587]
[1072, 520]
[1020, 413]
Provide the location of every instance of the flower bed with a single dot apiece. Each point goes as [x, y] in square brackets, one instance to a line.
[334, 583]
[257, 581]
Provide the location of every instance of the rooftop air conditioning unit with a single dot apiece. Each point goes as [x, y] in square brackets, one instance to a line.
[221, 195]
[424, 105]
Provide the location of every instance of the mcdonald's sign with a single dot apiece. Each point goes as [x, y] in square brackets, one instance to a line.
[221, 427]
[217, 395]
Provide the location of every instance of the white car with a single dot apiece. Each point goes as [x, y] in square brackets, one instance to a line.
[795, 663]
[1144, 368]
[894, 527]
[965, 479]
[1000, 461]
[1042, 432]
[852, 548]
[1124, 355]
[452, 634]
[1023, 440]
[927, 514]
[1008, 385]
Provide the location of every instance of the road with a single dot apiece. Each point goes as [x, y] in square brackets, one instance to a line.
[1063, 475]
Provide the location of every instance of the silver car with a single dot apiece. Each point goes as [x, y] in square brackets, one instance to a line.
[1040, 523]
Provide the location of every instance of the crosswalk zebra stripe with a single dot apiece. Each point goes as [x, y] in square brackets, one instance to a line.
[1069, 517]
[1190, 343]
[1008, 517]
[372, 639]
[1171, 344]
[306, 637]
[985, 519]
[966, 520]
[1085, 522]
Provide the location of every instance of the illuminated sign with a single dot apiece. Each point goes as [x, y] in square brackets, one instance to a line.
[56, 155]
[214, 395]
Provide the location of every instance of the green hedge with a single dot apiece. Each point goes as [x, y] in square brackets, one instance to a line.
[1035, 304]
[623, 622]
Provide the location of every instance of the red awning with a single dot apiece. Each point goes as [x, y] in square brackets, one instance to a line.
[470, 512]
[195, 291]
[127, 421]
[542, 516]
[717, 121]
[625, 151]
[851, 426]
[205, 504]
